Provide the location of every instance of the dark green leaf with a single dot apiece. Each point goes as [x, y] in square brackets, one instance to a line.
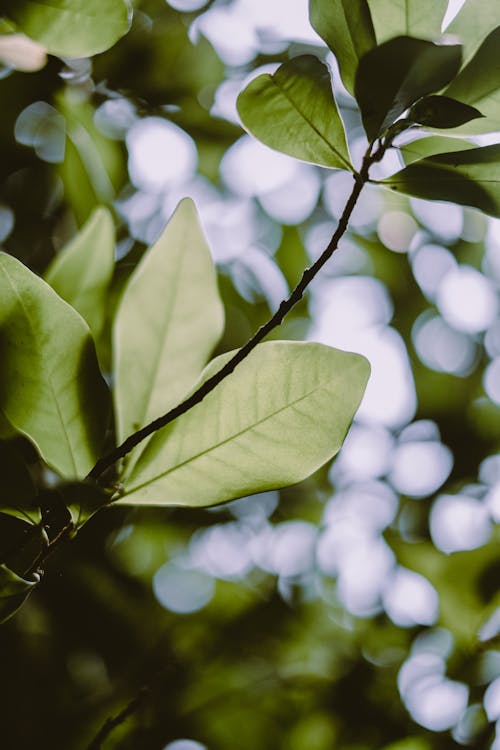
[346, 27]
[479, 84]
[16, 488]
[442, 112]
[21, 543]
[393, 76]
[294, 111]
[278, 417]
[71, 28]
[82, 271]
[417, 18]
[470, 178]
[51, 389]
[14, 590]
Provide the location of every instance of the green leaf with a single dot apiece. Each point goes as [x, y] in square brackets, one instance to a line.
[474, 21]
[278, 417]
[20, 543]
[470, 178]
[17, 488]
[82, 271]
[418, 18]
[92, 171]
[51, 389]
[479, 84]
[442, 112]
[393, 76]
[294, 111]
[14, 590]
[346, 27]
[169, 320]
[71, 28]
[434, 144]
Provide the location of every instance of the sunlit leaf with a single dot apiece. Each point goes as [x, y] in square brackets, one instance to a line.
[418, 18]
[51, 389]
[347, 29]
[278, 417]
[442, 112]
[169, 320]
[71, 28]
[478, 84]
[470, 177]
[434, 144]
[474, 21]
[294, 111]
[14, 590]
[393, 76]
[82, 271]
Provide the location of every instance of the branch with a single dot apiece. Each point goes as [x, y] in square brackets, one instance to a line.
[115, 721]
[360, 180]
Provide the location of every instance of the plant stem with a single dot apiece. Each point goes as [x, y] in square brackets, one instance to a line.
[360, 180]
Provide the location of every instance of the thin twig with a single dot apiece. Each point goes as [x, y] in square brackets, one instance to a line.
[360, 180]
[115, 721]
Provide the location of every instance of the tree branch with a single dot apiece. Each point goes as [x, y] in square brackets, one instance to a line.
[360, 180]
[115, 721]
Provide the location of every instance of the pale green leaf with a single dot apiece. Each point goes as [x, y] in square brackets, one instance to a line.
[470, 177]
[294, 111]
[418, 18]
[478, 84]
[82, 271]
[51, 389]
[71, 28]
[169, 320]
[346, 27]
[282, 413]
[474, 21]
[393, 76]
[434, 144]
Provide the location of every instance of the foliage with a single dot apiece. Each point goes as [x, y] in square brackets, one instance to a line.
[111, 305]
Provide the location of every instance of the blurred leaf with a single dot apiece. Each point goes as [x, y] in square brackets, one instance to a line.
[347, 29]
[434, 144]
[294, 111]
[474, 21]
[469, 178]
[17, 487]
[409, 743]
[83, 499]
[278, 417]
[14, 590]
[20, 543]
[479, 84]
[396, 74]
[417, 18]
[93, 168]
[71, 28]
[169, 320]
[51, 387]
[442, 112]
[82, 271]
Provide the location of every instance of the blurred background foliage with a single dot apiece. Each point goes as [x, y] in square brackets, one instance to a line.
[359, 610]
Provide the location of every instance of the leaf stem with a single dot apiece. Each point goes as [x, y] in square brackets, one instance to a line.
[360, 180]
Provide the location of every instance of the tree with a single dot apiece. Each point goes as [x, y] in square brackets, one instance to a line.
[259, 416]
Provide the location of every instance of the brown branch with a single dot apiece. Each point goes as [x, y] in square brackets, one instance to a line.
[360, 180]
